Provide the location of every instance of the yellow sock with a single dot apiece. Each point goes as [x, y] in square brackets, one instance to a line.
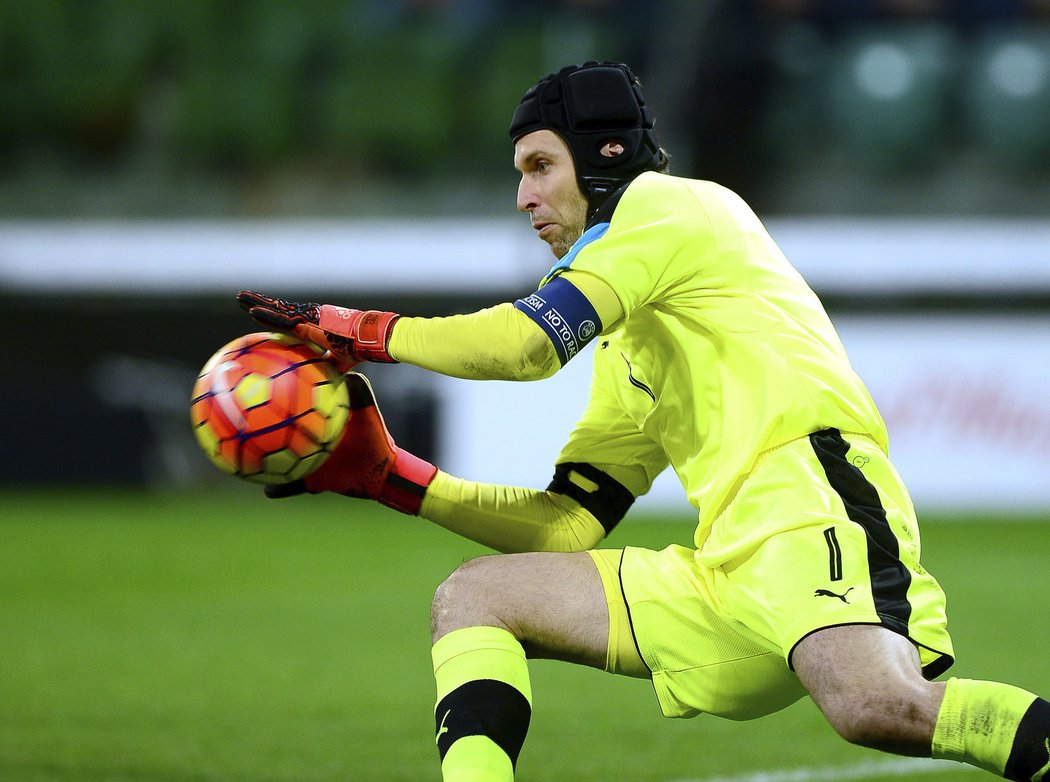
[997, 727]
[484, 702]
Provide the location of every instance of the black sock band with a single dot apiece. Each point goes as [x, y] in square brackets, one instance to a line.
[485, 707]
[1030, 756]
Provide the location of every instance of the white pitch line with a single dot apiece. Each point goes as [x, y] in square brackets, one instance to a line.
[902, 767]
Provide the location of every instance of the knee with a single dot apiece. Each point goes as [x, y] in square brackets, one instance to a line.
[460, 600]
[865, 727]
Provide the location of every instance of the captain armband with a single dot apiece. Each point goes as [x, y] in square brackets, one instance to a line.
[600, 495]
[566, 316]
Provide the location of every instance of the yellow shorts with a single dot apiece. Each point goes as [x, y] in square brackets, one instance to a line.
[718, 640]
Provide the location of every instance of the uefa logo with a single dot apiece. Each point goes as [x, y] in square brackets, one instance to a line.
[586, 330]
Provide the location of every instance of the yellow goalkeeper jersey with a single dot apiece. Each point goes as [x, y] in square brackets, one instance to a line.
[724, 352]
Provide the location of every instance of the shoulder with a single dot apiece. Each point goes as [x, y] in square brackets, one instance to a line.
[665, 197]
[667, 189]
[696, 206]
[675, 188]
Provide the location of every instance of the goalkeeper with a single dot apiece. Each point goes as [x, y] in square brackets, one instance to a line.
[714, 358]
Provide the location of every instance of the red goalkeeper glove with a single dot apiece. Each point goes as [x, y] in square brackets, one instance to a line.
[366, 462]
[349, 335]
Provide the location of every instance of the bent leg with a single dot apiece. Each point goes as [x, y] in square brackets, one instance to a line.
[868, 683]
[486, 617]
[552, 603]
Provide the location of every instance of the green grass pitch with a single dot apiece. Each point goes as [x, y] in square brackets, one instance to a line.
[221, 636]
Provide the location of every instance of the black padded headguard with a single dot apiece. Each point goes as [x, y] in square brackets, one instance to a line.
[588, 106]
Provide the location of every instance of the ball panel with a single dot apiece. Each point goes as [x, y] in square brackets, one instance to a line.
[303, 442]
[252, 390]
[287, 465]
[337, 419]
[326, 397]
[314, 424]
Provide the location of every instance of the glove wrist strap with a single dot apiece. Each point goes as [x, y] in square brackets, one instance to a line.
[368, 330]
[407, 483]
[372, 335]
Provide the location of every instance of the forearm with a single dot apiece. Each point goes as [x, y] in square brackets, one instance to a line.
[498, 343]
[510, 519]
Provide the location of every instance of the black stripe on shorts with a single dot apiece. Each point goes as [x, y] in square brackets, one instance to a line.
[890, 579]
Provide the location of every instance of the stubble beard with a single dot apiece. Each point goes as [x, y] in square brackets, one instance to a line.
[563, 241]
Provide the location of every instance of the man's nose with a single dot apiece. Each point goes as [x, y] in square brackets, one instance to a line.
[527, 200]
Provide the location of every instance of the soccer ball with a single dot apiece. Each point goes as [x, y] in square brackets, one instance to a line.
[269, 408]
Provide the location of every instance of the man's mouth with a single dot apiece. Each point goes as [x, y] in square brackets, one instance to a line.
[541, 227]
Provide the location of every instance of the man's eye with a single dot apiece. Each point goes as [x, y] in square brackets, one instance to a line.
[542, 165]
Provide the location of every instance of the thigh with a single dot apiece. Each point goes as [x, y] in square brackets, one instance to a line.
[843, 663]
[553, 603]
[868, 682]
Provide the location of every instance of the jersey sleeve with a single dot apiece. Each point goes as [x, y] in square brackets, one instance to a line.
[497, 343]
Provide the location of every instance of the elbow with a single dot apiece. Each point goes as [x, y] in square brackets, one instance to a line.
[576, 529]
[569, 539]
[585, 540]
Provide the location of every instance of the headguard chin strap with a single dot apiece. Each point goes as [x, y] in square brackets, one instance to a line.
[589, 106]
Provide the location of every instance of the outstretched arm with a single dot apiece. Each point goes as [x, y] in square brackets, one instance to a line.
[498, 343]
[527, 340]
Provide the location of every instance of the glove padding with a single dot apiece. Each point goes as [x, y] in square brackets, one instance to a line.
[349, 335]
[366, 463]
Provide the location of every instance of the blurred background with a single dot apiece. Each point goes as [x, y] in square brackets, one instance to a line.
[160, 621]
[156, 157]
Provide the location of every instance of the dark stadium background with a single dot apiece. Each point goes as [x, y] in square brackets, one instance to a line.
[350, 109]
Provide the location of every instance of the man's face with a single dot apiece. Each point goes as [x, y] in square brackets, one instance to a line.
[548, 190]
